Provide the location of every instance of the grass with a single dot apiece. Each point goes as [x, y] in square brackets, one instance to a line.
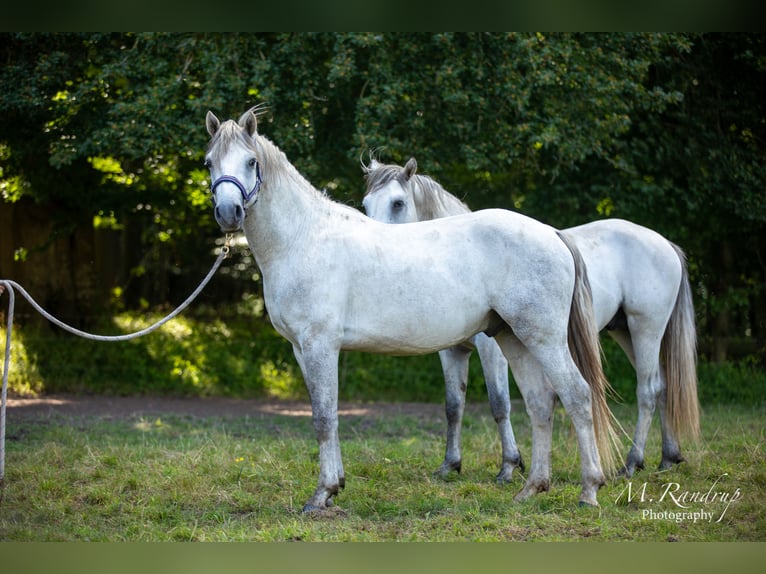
[180, 478]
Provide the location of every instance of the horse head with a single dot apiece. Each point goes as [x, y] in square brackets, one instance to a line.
[234, 169]
[389, 198]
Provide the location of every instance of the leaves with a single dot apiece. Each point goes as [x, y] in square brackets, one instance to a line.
[664, 129]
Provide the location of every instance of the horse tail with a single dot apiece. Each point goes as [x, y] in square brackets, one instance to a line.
[678, 353]
[585, 347]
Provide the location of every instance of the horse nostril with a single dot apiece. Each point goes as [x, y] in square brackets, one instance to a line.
[238, 213]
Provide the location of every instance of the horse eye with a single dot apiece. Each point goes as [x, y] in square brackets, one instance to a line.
[398, 204]
[208, 164]
[252, 162]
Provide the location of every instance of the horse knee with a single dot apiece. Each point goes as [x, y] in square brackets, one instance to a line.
[500, 408]
[648, 394]
[324, 426]
[454, 411]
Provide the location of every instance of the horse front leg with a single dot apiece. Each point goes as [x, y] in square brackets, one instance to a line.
[454, 362]
[320, 372]
[495, 368]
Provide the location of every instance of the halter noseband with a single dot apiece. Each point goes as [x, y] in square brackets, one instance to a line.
[246, 195]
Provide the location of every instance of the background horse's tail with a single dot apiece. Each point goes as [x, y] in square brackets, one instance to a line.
[585, 346]
[679, 357]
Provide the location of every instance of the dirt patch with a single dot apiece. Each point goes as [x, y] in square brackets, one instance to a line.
[132, 407]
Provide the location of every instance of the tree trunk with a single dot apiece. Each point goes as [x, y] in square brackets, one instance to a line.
[57, 268]
[722, 319]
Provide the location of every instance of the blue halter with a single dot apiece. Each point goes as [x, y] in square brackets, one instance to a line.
[246, 195]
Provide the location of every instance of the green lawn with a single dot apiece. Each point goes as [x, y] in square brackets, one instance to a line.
[182, 478]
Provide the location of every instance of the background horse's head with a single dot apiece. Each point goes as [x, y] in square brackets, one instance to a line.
[234, 169]
[388, 197]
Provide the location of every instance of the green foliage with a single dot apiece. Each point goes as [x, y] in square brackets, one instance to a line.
[200, 356]
[730, 382]
[106, 131]
[206, 354]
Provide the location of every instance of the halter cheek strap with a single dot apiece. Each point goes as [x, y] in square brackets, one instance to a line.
[246, 195]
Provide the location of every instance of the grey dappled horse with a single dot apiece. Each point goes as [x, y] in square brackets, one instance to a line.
[334, 279]
[641, 295]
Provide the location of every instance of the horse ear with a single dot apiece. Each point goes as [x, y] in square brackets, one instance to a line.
[212, 123]
[410, 168]
[249, 122]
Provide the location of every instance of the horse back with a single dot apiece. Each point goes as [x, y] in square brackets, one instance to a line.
[631, 268]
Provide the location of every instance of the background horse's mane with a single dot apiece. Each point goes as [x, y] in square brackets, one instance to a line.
[431, 199]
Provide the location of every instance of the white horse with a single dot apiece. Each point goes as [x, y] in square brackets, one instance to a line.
[334, 279]
[641, 295]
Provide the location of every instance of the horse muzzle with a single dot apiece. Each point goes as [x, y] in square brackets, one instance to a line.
[230, 216]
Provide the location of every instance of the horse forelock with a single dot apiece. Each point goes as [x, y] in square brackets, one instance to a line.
[381, 175]
[273, 162]
[228, 134]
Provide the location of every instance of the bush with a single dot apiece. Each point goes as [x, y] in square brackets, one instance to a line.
[206, 354]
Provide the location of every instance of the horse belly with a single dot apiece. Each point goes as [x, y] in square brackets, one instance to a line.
[410, 338]
[411, 319]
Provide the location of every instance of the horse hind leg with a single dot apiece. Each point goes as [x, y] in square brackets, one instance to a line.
[642, 348]
[495, 368]
[671, 448]
[539, 399]
[577, 398]
[562, 378]
[635, 458]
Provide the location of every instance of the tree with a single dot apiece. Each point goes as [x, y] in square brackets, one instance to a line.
[107, 130]
[708, 166]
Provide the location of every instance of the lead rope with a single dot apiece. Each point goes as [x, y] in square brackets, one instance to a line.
[11, 285]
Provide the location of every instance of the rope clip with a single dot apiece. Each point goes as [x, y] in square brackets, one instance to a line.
[226, 249]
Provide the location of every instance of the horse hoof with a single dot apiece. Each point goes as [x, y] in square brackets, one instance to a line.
[309, 508]
[631, 466]
[447, 471]
[523, 495]
[586, 504]
[668, 462]
[505, 476]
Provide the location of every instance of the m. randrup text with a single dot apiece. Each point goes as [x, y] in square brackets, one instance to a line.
[704, 505]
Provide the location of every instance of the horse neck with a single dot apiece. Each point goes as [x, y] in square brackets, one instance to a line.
[432, 201]
[288, 207]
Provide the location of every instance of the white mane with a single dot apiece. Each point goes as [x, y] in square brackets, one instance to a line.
[277, 170]
[433, 201]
